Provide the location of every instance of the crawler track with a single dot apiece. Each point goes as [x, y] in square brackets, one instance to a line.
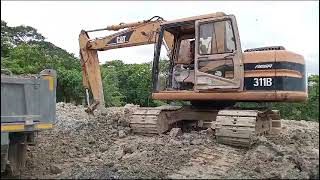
[237, 127]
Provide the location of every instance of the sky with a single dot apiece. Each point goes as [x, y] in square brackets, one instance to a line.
[292, 24]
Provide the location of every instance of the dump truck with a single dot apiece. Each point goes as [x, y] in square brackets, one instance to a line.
[28, 105]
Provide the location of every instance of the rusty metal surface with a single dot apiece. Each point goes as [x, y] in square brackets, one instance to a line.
[160, 119]
[234, 126]
[241, 127]
[269, 48]
[194, 18]
[238, 96]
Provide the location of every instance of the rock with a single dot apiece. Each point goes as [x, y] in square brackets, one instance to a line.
[186, 142]
[104, 147]
[257, 169]
[113, 131]
[206, 131]
[203, 132]
[71, 154]
[196, 142]
[86, 159]
[55, 169]
[121, 134]
[104, 111]
[123, 122]
[129, 149]
[88, 151]
[130, 108]
[186, 136]
[275, 175]
[209, 130]
[127, 130]
[109, 164]
[114, 169]
[118, 154]
[92, 140]
[175, 142]
[175, 132]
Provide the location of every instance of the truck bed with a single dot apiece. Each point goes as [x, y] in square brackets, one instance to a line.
[28, 103]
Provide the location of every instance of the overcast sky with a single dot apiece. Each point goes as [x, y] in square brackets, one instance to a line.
[292, 24]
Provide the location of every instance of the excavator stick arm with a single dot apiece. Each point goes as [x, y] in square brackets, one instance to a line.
[91, 75]
[134, 34]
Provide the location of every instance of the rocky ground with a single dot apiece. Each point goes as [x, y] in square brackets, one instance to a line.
[83, 146]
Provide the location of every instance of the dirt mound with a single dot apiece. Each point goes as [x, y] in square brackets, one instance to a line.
[75, 138]
[83, 146]
[294, 154]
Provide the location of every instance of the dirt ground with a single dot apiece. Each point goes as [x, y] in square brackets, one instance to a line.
[82, 146]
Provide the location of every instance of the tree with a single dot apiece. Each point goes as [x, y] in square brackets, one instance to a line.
[24, 59]
[24, 51]
[134, 81]
[20, 34]
[70, 85]
[112, 94]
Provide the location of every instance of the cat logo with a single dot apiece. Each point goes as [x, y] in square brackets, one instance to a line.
[121, 39]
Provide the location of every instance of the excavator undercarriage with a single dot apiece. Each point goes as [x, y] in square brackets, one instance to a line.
[231, 126]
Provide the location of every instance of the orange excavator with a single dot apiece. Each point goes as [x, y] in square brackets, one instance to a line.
[206, 67]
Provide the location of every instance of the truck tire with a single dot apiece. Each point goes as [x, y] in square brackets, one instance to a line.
[4, 157]
[17, 154]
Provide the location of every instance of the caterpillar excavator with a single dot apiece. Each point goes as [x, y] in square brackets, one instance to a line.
[206, 67]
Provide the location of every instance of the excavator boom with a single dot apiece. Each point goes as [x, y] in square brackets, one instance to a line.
[131, 34]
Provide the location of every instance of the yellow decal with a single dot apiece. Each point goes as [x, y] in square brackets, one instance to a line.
[50, 79]
[19, 127]
[44, 126]
[12, 127]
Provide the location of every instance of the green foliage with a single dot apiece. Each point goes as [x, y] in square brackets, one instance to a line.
[134, 81]
[20, 34]
[5, 46]
[112, 94]
[70, 85]
[24, 51]
[24, 59]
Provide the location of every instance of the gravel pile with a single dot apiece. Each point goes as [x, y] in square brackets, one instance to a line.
[294, 154]
[103, 146]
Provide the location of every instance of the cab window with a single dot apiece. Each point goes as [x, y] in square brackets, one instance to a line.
[216, 37]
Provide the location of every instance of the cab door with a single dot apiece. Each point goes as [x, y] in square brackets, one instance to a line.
[218, 55]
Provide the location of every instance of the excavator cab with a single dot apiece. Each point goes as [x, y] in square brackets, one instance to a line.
[206, 55]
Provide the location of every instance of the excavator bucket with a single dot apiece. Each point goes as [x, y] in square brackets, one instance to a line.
[91, 74]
